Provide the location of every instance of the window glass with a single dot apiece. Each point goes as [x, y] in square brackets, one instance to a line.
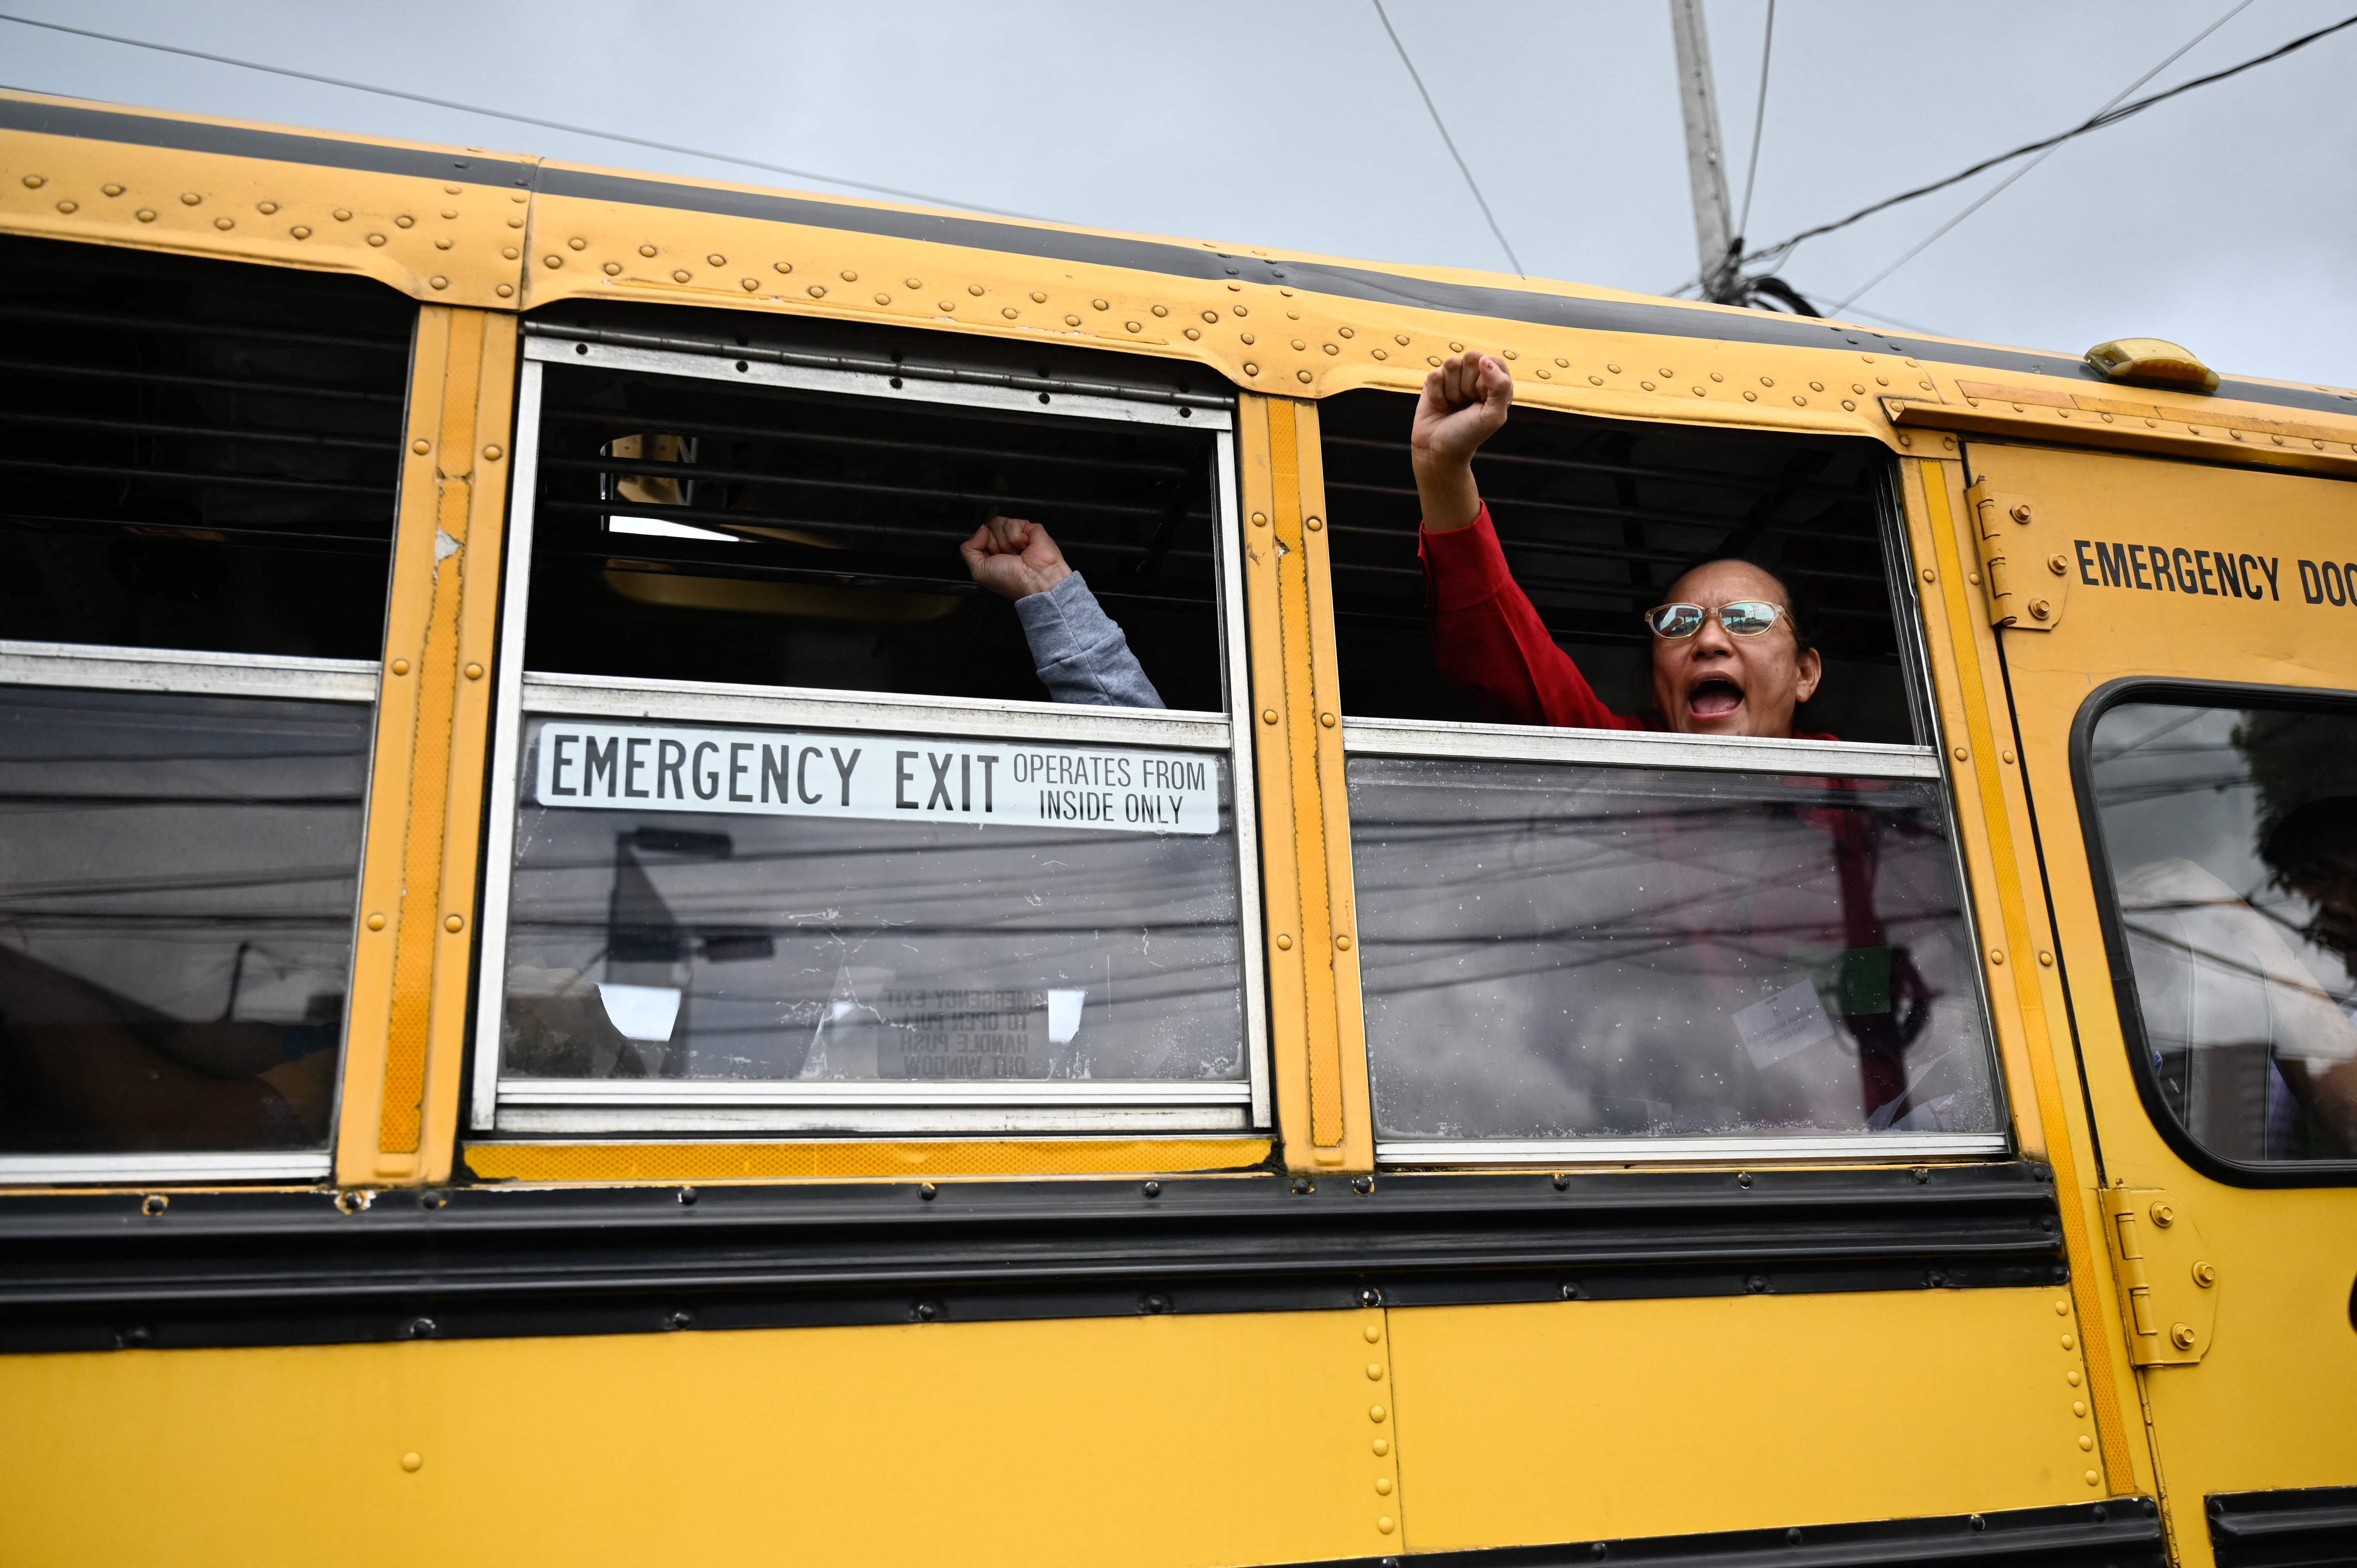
[816, 907]
[697, 529]
[1597, 520]
[2231, 834]
[198, 454]
[177, 883]
[1564, 952]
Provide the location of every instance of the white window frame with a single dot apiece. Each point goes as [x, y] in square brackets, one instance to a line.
[499, 1104]
[100, 668]
[1713, 753]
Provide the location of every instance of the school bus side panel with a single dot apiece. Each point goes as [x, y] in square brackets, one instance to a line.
[1145, 1439]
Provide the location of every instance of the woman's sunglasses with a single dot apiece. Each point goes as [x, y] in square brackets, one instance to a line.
[1745, 617]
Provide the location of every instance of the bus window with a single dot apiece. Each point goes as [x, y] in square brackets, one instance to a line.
[202, 459]
[1587, 941]
[198, 454]
[791, 837]
[1598, 519]
[2229, 829]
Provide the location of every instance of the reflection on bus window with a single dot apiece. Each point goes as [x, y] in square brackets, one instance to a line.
[1534, 613]
[689, 528]
[176, 882]
[1556, 952]
[821, 907]
[2232, 836]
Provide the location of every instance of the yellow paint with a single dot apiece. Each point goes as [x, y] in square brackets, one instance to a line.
[847, 1158]
[2213, 431]
[1980, 703]
[2268, 1405]
[407, 1027]
[1147, 1440]
[839, 274]
[1579, 1421]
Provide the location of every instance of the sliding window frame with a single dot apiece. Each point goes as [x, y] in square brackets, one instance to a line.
[885, 1108]
[174, 672]
[1717, 754]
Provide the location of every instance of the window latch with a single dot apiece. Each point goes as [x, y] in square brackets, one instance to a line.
[2025, 563]
[2168, 1286]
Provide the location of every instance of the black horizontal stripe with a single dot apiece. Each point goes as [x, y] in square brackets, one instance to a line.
[1166, 258]
[224, 1268]
[2122, 1533]
[2307, 1528]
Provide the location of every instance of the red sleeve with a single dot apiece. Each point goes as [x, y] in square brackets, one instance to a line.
[1489, 640]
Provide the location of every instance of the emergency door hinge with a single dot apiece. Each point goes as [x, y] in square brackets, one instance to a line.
[2026, 565]
[2168, 1286]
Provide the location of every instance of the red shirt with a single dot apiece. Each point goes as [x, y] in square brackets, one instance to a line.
[1488, 639]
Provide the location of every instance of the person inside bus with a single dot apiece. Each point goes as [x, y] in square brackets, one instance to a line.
[1730, 654]
[1078, 651]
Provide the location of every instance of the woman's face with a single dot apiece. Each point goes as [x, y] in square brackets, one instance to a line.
[1711, 683]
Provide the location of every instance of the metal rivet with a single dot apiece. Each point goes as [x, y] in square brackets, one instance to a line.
[881, 298]
[376, 922]
[1132, 326]
[1743, 1178]
[1372, 1333]
[613, 269]
[401, 666]
[2079, 1408]
[1817, 386]
[1192, 334]
[2070, 1342]
[2005, 755]
[1382, 1446]
[1647, 385]
[928, 1191]
[473, 671]
[1376, 1413]
[1851, 406]
[2039, 609]
[1962, 755]
[2205, 1274]
[404, 221]
[1246, 339]
[224, 224]
[1239, 310]
[146, 215]
[1007, 311]
[2163, 1216]
[1301, 375]
[189, 199]
[551, 261]
[413, 1463]
[1748, 395]
[439, 281]
[974, 289]
[154, 1204]
[1326, 719]
[1343, 943]
[1260, 519]
[1038, 298]
[301, 231]
[817, 291]
[1268, 716]
[1382, 1485]
[1153, 1189]
[1284, 942]
[1071, 321]
[453, 922]
[2071, 1376]
[66, 206]
[1362, 1186]
[421, 447]
[1251, 368]
[1235, 286]
[1374, 1371]
[1997, 955]
[510, 252]
[1973, 577]
[1385, 1525]
[505, 290]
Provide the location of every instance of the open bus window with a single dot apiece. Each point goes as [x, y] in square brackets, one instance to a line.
[2230, 835]
[1555, 952]
[789, 839]
[1598, 519]
[1585, 930]
[197, 454]
[177, 873]
[766, 529]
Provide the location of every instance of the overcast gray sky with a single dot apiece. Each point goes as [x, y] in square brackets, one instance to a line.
[2223, 220]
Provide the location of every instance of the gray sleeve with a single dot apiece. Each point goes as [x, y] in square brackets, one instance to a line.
[1080, 651]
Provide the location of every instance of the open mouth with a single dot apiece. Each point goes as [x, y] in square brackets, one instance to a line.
[1714, 697]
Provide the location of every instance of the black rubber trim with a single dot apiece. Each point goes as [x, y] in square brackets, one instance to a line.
[243, 142]
[82, 1272]
[2311, 1528]
[2100, 875]
[2123, 1532]
[1105, 249]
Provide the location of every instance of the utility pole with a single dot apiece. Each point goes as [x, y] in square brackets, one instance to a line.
[1714, 246]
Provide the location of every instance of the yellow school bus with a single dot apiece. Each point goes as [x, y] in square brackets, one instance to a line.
[566, 995]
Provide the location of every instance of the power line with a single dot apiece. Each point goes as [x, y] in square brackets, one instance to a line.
[1760, 121]
[1448, 140]
[2000, 187]
[2109, 117]
[522, 119]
